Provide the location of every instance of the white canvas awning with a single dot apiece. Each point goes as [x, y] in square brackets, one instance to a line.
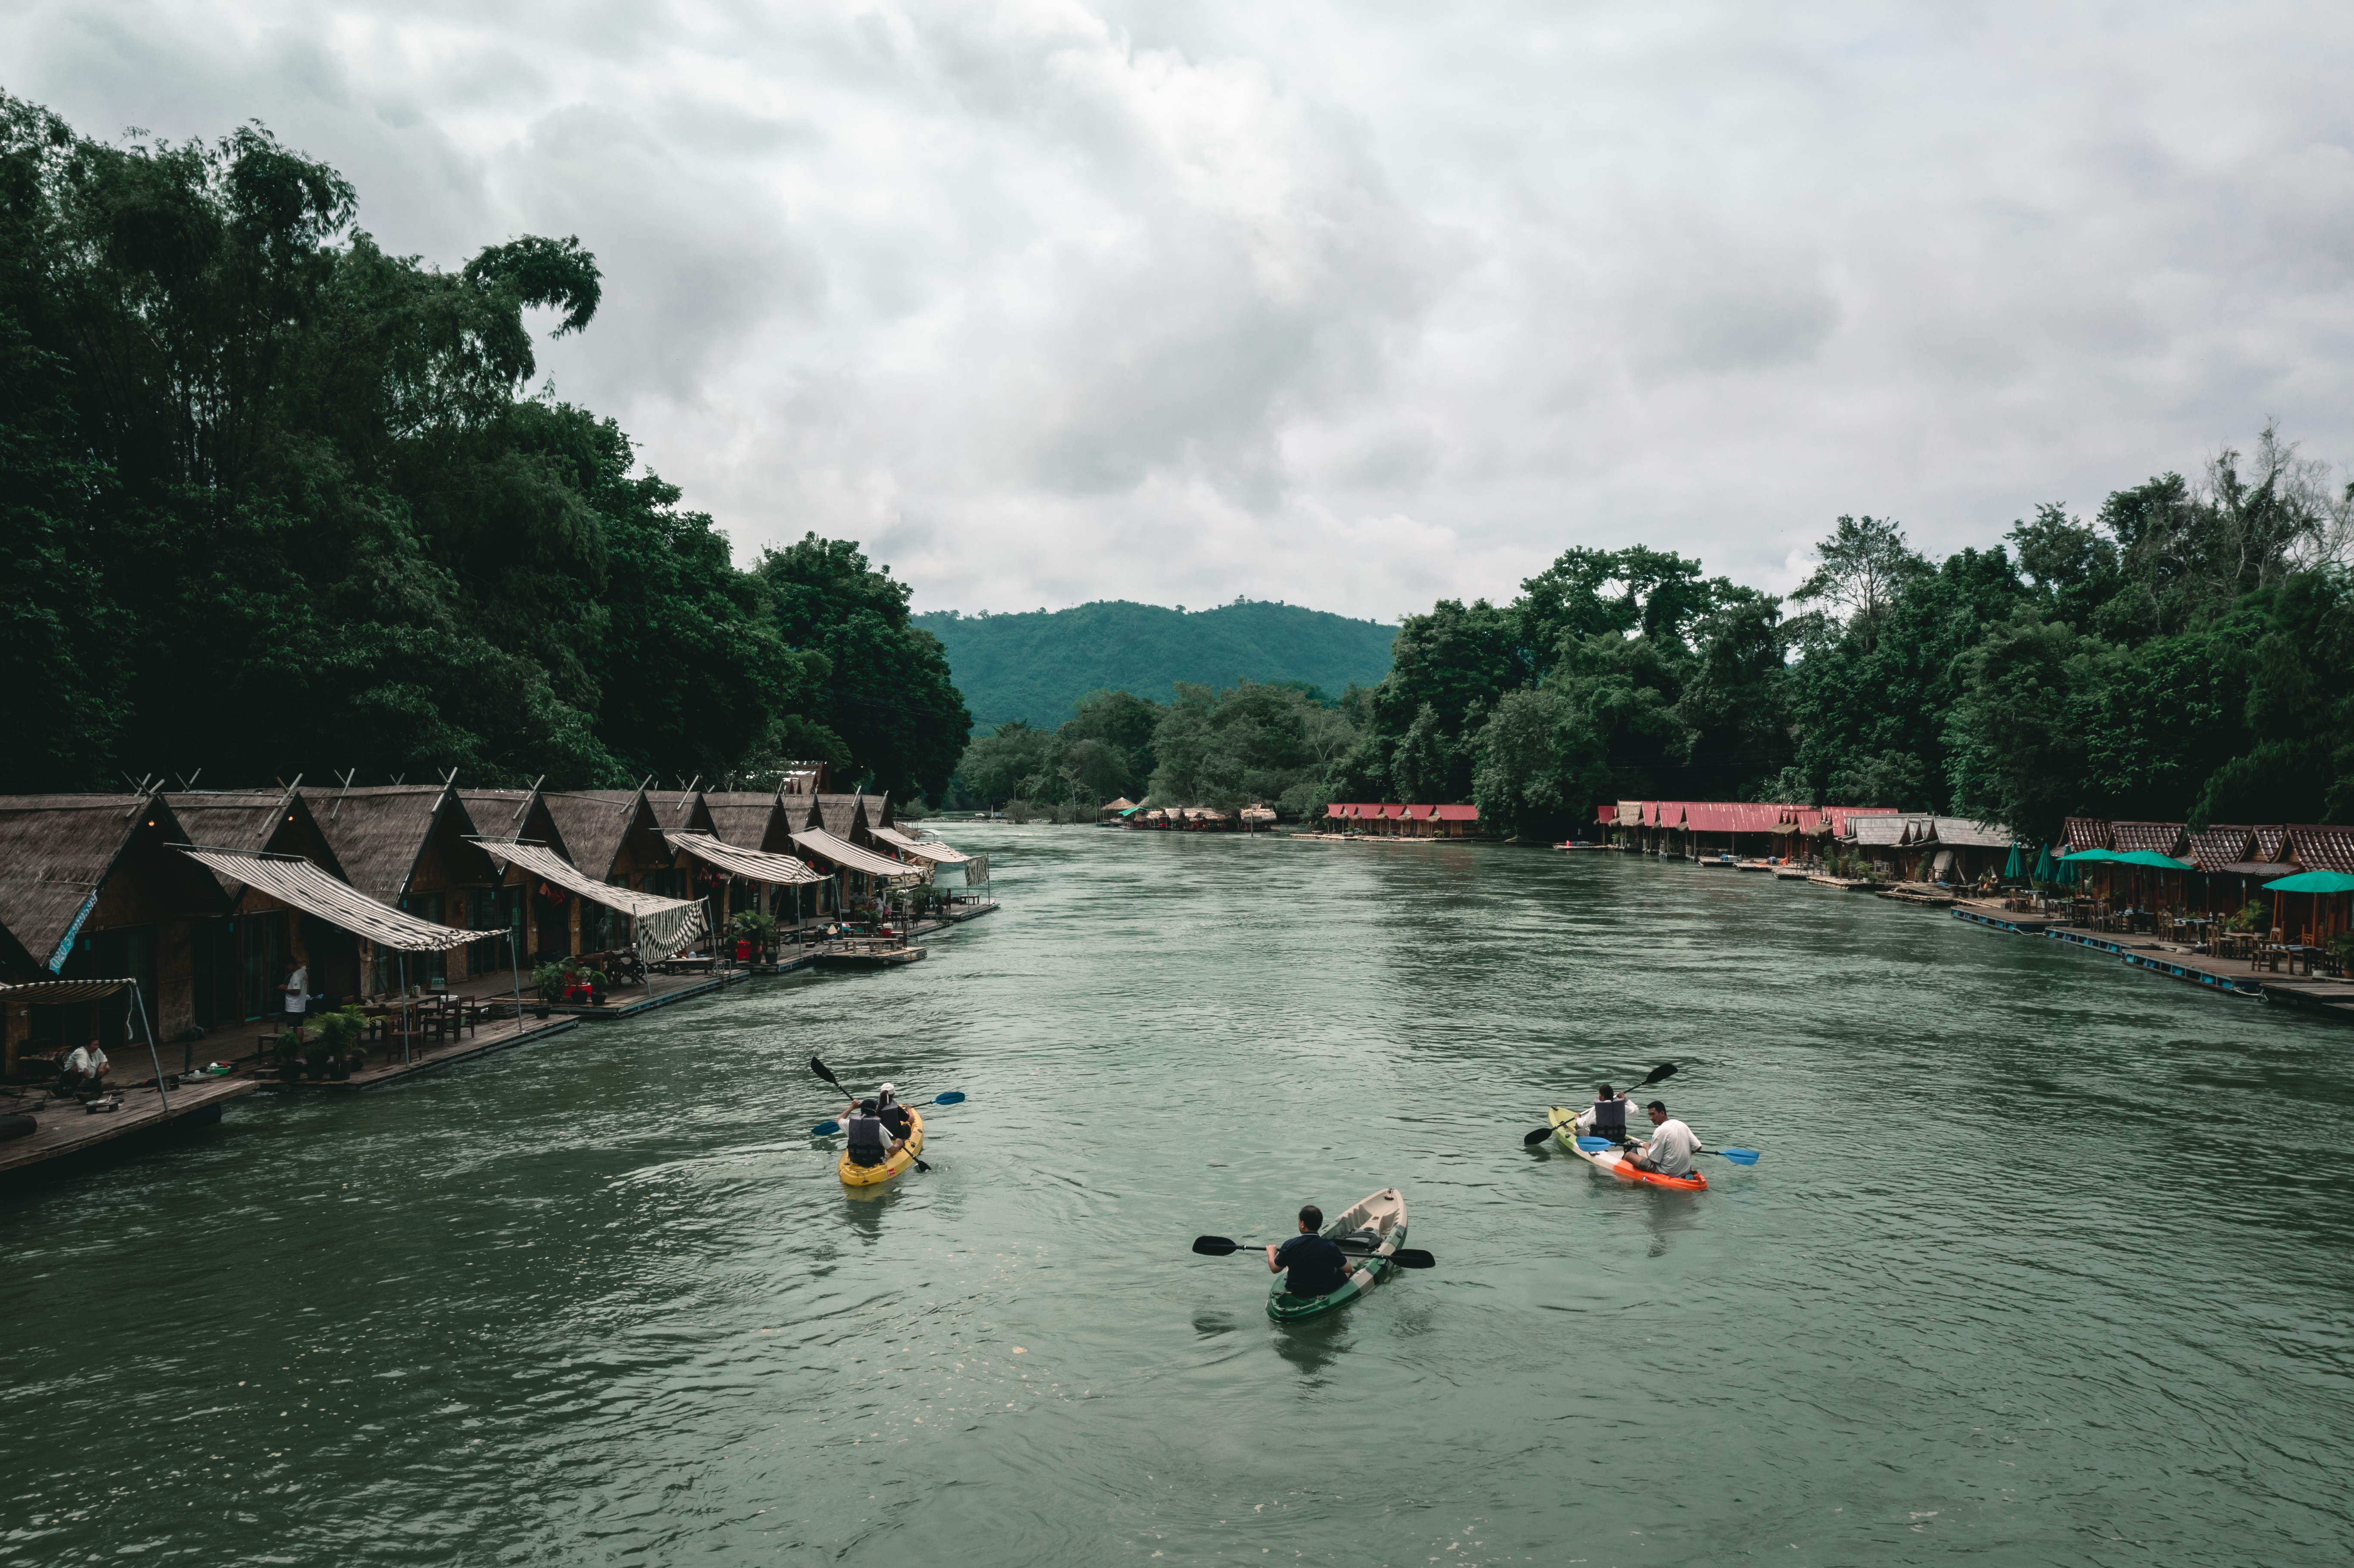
[48, 993]
[929, 849]
[757, 866]
[298, 882]
[850, 857]
[663, 927]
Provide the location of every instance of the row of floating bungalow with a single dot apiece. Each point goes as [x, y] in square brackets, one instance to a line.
[172, 916]
[1124, 812]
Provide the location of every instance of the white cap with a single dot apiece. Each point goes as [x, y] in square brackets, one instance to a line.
[890, 1088]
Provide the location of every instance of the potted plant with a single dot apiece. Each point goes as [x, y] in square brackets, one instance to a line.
[339, 1037]
[289, 1052]
[548, 982]
[757, 929]
[595, 980]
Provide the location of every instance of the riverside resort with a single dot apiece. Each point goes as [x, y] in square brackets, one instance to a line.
[1062, 785]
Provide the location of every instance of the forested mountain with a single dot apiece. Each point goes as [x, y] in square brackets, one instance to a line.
[1035, 665]
[273, 501]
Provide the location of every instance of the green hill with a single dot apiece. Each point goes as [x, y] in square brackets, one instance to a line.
[1034, 665]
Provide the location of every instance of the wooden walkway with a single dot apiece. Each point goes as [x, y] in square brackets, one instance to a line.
[495, 1034]
[67, 1130]
[659, 990]
[2232, 978]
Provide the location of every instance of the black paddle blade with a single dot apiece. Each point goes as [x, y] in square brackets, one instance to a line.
[1216, 1247]
[820, 1069]
[1659, 1073]
[921, 1166]
[1413, 1257]
[1538, 1136]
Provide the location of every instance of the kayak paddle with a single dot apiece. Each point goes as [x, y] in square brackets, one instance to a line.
[1738, 1156]
[823, 1129]
[1221, 1246]
[828, 1129]
[1659, 1073]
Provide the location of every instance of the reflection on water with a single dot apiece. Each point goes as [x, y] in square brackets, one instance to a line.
[1988, 1296]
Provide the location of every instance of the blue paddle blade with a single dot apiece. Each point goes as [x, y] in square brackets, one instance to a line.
[825, 1129]
[951, 1099]
[1594, 1145]
[1740, 1155]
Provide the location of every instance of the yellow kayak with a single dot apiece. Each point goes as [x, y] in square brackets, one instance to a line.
[872, 1175]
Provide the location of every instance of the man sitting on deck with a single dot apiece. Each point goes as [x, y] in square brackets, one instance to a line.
[83, 1076]
[869, 1143]
[894, 1114]
[1671, 1145]
[1317, 1267]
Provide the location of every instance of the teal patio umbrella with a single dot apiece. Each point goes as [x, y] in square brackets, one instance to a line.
[2010, 871]
[2044, 864]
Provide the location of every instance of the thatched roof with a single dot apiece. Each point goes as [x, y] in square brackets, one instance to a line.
[379, 831]
[679, 810]
[593, 822]
[278, 820]
[1968, 833]
[742, 817]
[58, 851]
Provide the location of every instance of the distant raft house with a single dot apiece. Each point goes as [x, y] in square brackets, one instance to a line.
[205, 899]
[1394, 819]
[1697, 828]
[2217, 869]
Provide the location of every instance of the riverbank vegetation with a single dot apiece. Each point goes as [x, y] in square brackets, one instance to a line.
[275, 498]
[2180, 653]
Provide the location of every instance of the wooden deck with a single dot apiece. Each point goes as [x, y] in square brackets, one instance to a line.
[2230, 978]
[865, 955]
[659, 990]
[68, 1130]
[495, 1034]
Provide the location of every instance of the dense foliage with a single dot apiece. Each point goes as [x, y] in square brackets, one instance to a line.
[2182, 654]
[1034, 666]
[1250, 742]
[273, 501]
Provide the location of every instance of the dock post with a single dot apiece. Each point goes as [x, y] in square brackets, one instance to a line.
[149, 1029]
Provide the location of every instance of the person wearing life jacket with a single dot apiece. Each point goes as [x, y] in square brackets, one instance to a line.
[1671, 1145]
[894, 1114]
[1317, 1266]
[867, 1141]
[1608, 1116]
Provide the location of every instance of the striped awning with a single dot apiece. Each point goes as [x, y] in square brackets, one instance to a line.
[759, 865]
[48, 993]
[850, 857]
[549, 866]
[300, 884]
[929, 849]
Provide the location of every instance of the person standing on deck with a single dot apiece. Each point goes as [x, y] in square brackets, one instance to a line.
[1671, 1146]
[1317, 1266]
[297, 989]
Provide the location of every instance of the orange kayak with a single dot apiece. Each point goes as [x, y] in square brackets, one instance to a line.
[1565, 1132]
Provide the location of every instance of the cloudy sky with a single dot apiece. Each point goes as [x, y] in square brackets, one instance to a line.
[1352, 305]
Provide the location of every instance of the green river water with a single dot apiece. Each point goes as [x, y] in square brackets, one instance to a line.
[2047, 1261]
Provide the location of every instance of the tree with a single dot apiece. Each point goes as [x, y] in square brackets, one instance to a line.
[1540, 770]
[1863, 565]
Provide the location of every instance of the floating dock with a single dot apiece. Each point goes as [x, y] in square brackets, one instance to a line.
[495, 1036]
[67, 1130]
[868, 956]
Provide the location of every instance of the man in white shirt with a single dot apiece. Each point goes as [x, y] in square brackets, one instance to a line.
[297, 988]
[85, 1070]
[1671, 1145]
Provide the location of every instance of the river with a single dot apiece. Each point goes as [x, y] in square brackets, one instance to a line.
[2047, 1260]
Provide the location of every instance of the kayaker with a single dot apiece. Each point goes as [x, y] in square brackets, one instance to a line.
[1670, 1147]
[1317, 1267]
[1609, 1114]
[868, 1141]
[894, 1114]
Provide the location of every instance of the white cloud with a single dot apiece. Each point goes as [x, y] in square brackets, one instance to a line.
[1355, 304]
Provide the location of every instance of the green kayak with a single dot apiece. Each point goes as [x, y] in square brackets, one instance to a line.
[1376, 1227]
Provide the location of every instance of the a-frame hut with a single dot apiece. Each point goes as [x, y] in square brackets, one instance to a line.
[235, 958]
[409, 845]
